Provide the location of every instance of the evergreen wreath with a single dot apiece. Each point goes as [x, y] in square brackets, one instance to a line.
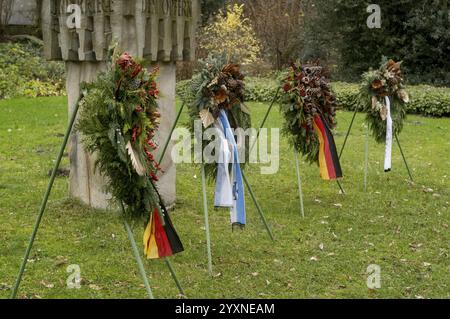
[118, 121]
[218, 86]
[307, 93]
[375, 86]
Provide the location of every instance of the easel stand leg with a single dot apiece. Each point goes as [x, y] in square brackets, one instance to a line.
[163, 154]
[138, 259]
[263, 123]
[299, 178]
[166, 145]
[348, 133]
[205, 211]
[44, 204]
[366, 159]
[345, 144]
[404, 158]
[340, 187]
[258, 207]
[174, 276]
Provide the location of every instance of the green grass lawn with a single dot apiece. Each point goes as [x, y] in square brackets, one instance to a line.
[400, 226]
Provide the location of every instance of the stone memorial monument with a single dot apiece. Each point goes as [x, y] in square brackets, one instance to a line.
[79, 32]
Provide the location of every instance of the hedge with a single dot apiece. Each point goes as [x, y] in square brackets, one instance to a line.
[425, 100]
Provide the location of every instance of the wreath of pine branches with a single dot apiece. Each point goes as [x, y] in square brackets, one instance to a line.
[118, 120]
[307, 93]
[375, 86]
[218, 86]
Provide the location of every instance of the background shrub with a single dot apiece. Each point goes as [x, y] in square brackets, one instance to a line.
[425, 100]
[24, 72]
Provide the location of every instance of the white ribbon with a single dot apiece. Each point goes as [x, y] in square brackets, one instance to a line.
[224, 189]
[229, 190]
[389, 137]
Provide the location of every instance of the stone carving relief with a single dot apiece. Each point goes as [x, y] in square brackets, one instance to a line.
[158, 30]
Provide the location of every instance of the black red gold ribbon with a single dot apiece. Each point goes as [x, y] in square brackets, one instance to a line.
[330, 167]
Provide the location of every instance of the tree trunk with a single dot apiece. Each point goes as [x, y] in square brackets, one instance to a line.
[38, 14]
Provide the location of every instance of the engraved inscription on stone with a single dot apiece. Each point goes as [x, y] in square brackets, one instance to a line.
[159, 30]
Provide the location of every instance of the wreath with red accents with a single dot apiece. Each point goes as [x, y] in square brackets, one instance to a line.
[118, 120]
[307, 93]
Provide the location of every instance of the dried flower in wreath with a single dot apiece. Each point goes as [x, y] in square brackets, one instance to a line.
[219, 86]
[377, 85]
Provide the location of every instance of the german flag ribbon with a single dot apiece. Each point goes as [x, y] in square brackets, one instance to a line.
[160, 238]
[330, 167]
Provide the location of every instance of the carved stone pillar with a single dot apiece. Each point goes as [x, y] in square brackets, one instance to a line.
[80, 32]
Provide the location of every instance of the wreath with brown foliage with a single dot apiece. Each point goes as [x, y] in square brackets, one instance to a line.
[387, 81]
[219, 86]
[307, 93]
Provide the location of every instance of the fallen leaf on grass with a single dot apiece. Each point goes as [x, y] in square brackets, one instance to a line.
[255, 274]
[95, 287]
[314, 258]
[415, 246]
[4, 286]
[321, 247]
[61, 260]
[47, 285]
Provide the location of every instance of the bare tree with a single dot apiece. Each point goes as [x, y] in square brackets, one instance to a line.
[279, 25]
[6, 7]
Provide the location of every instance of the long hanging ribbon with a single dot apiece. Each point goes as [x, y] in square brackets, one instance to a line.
[224, 189]
[229, 191]
[389, 137]
[330, 167]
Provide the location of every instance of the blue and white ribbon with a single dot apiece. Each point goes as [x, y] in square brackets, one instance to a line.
[229, 189]
[389, 137]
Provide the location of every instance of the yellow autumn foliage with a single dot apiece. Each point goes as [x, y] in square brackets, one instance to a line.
[231, 33]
